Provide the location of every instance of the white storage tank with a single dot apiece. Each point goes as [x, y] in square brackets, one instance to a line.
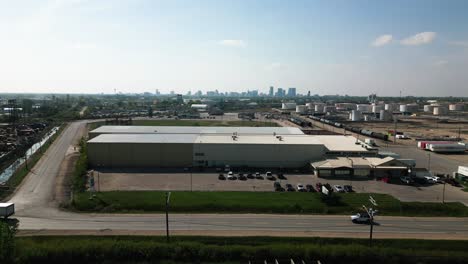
[288, 106]
[301, 109]
[377, 108]
[319, 107]
[403, 108]
[310, 106]
[429, 108]
[364, 108]
[385, 115]
[440, 110]
[356, 115]
[456, 107]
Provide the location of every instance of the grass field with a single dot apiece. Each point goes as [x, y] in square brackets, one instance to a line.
[258, 202]
[137, 249]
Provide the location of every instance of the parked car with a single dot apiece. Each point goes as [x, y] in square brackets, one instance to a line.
[250, 176]
[348, 188]
[221, 177]
[269, 176]
[289, 188]
[281, 176]
[301, 188]
[242, 177]
[310, 188]
[406, 180]
[258, 176]
[231, 176]
[278, 187]
[318, 187]
[361, 218]
[338, 188]
[430, 179]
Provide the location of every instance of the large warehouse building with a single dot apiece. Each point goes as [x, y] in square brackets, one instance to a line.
[259, 147]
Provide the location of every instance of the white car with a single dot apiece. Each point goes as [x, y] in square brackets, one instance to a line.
[301, 188]
[338, 188]
[231, 176]
[360, 218]
[432, 179]
[269, 175]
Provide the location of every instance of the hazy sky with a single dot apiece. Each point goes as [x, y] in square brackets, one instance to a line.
[327, 47]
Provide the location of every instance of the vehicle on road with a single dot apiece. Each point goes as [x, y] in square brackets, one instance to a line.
[338, 188]
[231, 176]
[221, 177]
[310, 188]
[7, 209]
[278, 187]
[360, 218]
[290, 188]
[301, 187]
[348, 188]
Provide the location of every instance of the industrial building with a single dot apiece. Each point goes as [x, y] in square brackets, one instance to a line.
[195, 130]
[243, 147]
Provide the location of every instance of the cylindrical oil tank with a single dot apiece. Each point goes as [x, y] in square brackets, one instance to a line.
[329, 109]
[356, 115]
[456, 107]
[346, 106]
[310, 106]
[440, 110]
[385, 115]
[288, 106]
[403, 108]
[319, 107]
[428, 108]
[377, 108]
[301, 109]
[364, 108]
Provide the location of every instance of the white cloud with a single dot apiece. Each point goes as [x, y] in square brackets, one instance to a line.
[233, 43]
[419, 39]
[382, 40]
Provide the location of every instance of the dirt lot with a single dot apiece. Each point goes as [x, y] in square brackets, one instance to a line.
[209, 182]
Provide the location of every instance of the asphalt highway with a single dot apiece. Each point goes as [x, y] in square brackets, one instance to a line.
[38, 213]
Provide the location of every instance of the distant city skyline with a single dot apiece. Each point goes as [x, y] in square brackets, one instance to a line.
[359, 47]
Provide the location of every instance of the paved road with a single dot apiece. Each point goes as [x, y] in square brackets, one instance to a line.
[37, 212]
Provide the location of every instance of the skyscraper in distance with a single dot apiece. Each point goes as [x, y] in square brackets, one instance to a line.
[271, 93]
[292, 92]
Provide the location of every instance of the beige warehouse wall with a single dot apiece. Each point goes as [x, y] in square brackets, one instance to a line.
[258, 155]
[130, 155]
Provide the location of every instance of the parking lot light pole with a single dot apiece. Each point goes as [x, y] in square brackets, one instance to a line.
[443, 193]
[168, 196]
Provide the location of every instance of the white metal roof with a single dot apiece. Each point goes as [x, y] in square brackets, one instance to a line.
[196, 130]
[332, 143]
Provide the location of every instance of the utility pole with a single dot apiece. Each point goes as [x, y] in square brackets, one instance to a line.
[394, 130]
[371, 213]
[443, 194]
[168, 196]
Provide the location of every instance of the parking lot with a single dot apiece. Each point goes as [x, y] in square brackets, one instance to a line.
[183, 181]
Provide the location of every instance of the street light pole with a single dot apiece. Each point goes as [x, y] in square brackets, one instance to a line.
[168, 196]
[443, 193]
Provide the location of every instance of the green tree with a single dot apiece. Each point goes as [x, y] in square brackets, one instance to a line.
[7, 240]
